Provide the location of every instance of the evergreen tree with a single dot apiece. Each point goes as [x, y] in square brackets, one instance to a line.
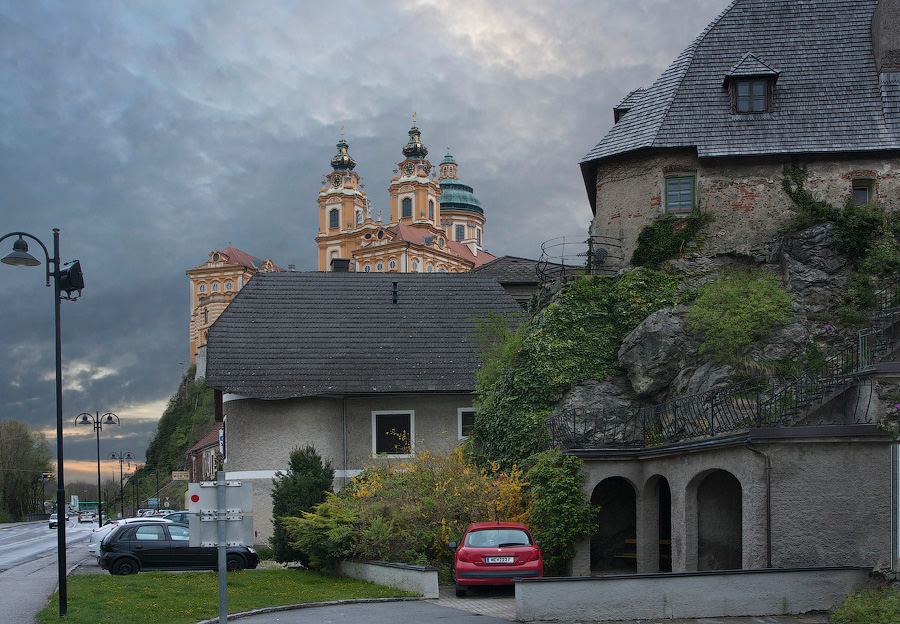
[301, 488]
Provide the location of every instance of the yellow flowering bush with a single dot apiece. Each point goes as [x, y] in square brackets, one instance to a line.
[409, 511]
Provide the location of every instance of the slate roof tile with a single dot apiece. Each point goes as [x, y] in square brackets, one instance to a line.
[823, 51]
[300, 334]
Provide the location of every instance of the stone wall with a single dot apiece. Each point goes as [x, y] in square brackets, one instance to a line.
[829, 493]
[744, 195]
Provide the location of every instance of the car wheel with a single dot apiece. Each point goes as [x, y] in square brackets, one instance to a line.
[234, 563]
[124, 566]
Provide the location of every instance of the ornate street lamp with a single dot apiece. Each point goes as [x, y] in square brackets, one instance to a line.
[86, 418]
[122, 457]
[65, 281]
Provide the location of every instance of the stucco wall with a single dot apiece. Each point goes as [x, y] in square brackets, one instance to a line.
[830, 501]
[262, 434]
[745, 196]
[691, 595]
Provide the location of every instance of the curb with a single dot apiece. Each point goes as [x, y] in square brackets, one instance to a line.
[307, 605]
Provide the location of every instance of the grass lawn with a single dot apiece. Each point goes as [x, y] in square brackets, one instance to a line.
[167, 598]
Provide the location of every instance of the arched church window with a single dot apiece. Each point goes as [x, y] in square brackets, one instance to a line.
[202, 288]
[334, 218]
[379, 266]
[367, 269]
[229, 286]
[431, 209]
[430, 268]
[407, 207]
[392, 264]
[415, 266]
[215, 288]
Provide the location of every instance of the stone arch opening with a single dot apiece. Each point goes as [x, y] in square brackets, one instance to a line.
[613, 544]
[719, 530]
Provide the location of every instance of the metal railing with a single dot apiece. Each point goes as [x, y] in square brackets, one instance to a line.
[566, 257]
[742, 405]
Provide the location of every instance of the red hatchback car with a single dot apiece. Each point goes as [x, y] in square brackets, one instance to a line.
[494, 553]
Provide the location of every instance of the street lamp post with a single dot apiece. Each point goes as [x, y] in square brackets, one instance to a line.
[66, 280]
[122, 457]
[86, 418]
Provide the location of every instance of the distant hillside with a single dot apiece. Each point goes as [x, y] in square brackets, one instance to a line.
[188, 417]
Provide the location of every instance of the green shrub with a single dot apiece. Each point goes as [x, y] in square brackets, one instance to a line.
[573, 339]
[301, 488]
[408, 512]
[857, 300]
[735, 310]
[667, 237]
[561, 512]
[856, 228]
[878, 605]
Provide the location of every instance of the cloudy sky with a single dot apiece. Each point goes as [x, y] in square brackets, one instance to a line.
[153, 132]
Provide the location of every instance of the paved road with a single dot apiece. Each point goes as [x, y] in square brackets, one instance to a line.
[25, 589]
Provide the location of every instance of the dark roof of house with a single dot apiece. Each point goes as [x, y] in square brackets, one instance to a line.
[827, 96]
[297, 334]
[514, 270]
[210, 439]
[510, 269]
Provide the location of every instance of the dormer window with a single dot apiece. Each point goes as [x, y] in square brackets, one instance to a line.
[750, 84]
[751, 96]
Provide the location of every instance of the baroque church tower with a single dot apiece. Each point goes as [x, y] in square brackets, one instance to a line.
[434, 225]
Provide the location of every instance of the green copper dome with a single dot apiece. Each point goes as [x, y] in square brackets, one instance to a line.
[414, 148]
[342, 160]
[458, 196]
[448, 160]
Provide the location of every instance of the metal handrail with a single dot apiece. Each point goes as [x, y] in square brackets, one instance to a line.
[738, 406]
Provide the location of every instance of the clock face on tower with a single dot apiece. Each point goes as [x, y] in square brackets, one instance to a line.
[408, 168]
[336, 180]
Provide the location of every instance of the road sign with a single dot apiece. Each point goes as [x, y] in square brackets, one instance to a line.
[180, 475]
[203, 500]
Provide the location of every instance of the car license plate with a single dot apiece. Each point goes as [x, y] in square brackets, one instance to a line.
[500, 559]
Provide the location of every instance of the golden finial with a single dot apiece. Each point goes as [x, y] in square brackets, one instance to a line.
[414, 118]
[342, 132]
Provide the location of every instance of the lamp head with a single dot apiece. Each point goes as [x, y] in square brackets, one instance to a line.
[20, 255]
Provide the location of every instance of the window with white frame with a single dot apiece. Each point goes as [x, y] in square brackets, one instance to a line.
[466, 420]
[863, 191]
[407, 207]
[393, 433]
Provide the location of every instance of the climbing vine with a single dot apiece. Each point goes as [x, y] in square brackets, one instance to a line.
[575, 338]
[667, 237]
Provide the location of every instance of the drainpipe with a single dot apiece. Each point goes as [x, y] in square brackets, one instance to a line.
[344, 420]
[768, 503]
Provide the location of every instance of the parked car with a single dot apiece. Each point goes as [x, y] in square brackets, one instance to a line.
[494, 553]
[87, 516]
[99, 533]
[137, 546]
[180, 516]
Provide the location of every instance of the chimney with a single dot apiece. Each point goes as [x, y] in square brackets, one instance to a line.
[394, 292]
[340, 265]
[886, 35]
[291, 267]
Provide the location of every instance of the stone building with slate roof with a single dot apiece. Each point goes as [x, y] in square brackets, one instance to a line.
[345, 362]
[768, 84]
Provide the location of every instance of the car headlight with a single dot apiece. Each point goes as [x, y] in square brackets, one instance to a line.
[251, 549]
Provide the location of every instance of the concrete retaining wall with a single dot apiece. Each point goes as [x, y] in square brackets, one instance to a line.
[686, 595]
[416, 579]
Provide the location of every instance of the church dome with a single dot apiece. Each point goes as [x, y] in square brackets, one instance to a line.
[458, 196]
[342, 160]
[414, 147]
